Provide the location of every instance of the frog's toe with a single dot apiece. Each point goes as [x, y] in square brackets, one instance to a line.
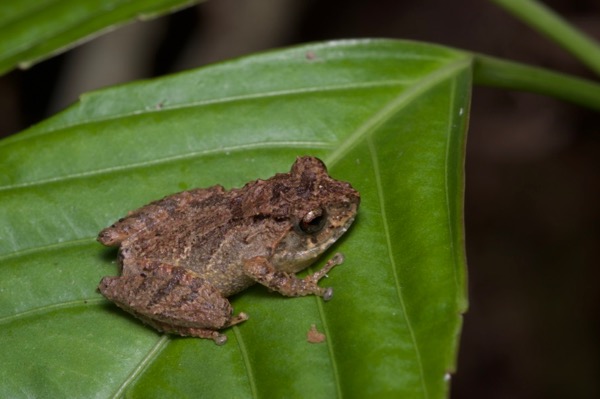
[239, 318]
[220, 339]
[217, 337]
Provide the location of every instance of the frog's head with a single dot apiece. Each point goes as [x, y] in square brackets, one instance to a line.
[316, 209]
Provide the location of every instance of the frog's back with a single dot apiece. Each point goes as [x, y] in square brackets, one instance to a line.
[149, 218]
[210, 237]
[171, 230]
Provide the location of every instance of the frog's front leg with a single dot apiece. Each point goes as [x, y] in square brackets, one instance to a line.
[172, 299]
[262, 271]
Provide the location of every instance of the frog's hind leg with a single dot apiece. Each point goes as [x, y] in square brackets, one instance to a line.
[219, 338]
[172, 299]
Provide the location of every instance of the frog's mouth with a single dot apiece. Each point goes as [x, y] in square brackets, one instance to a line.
[299, 250]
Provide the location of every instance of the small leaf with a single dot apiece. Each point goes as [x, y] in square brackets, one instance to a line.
[388, 116]
[31, 30]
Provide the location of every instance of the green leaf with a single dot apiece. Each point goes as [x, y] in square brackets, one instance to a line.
[388, 116]
[496, 72]
[32, 30]
[556, 28]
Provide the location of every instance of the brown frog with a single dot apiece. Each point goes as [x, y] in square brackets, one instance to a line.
[182, 256]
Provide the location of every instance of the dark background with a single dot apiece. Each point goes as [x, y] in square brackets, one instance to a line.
[532, 178]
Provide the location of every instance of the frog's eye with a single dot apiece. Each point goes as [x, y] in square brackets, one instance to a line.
[313, 221]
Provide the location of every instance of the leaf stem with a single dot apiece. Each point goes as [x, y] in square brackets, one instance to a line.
[491, 71]
[552, 25]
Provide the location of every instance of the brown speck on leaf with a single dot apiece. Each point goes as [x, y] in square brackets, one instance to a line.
[314, 336]
[310, 55]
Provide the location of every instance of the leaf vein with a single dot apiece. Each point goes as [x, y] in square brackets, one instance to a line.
[160, 345]
[170, 159]
[334, 367]
[49, 308]
[393, 106]
[50, 247]
[386, 231]
[246, 360]
[447, 170]
[231, 99]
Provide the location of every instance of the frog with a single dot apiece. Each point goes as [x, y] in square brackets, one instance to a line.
[182, 257]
